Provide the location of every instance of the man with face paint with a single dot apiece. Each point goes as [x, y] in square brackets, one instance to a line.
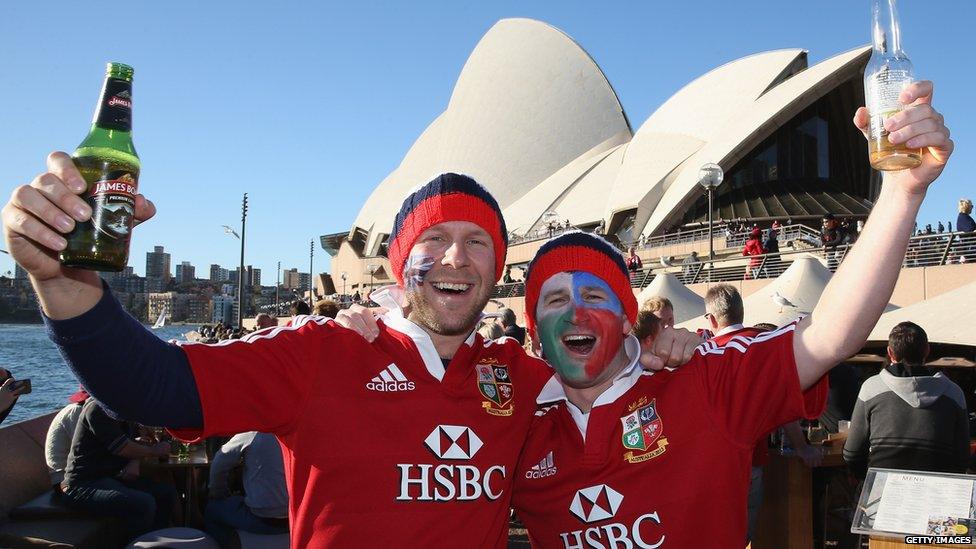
[419, 431]
[629, 458]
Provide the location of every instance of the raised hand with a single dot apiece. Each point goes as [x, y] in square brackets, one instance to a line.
[38, 215]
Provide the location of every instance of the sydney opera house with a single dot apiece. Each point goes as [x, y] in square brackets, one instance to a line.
[533, 118]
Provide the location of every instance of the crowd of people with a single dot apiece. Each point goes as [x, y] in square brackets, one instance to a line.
[415, 421]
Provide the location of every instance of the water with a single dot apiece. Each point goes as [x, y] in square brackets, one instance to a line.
[27, 352]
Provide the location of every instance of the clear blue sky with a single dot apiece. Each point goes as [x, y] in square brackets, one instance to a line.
[308, 105]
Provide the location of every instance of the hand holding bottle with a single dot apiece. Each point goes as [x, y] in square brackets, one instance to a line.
[920, 126]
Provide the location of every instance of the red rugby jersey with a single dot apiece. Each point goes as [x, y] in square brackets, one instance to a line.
[760, 454]
[382, 446]
[665, 461]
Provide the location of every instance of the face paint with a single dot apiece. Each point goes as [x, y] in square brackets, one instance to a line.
[416, 270]
[581, 332]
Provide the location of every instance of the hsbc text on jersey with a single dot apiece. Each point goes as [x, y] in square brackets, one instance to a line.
[449, 482]
[445, 482]
[614, 536]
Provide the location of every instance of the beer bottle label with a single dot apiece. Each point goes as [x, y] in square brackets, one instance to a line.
[881, 94]
[113, 203]
[115, 109]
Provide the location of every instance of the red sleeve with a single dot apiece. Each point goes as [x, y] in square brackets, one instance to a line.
[257, 383]
[751, 385]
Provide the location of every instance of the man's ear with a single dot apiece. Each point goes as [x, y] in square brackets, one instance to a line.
[628, 325]
[534, 339]
[891, 355]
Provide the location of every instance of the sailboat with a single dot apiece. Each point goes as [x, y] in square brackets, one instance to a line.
[161, 319]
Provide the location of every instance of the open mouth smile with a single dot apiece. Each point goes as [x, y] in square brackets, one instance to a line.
[452, 288]
[580, 344]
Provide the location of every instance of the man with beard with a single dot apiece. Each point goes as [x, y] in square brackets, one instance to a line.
[410, 441]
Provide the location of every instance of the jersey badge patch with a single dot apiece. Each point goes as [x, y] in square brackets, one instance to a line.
[642, 433]
[495, 385]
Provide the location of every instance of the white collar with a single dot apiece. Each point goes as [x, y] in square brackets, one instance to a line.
[628, 376]
[729, 329]
[395, 320]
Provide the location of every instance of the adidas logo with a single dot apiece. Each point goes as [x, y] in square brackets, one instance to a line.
[544, 468]
[390, 379]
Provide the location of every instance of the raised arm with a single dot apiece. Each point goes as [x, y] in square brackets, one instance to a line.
[857, 294]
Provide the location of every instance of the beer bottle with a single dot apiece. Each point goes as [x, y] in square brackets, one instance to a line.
[888, 72]
[108, 161]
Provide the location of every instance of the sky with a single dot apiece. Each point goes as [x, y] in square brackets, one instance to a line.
[307, 106]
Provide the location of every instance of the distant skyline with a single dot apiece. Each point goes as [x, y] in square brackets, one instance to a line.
[307, 106]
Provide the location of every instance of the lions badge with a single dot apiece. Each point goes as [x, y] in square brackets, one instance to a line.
[642, 433]
[495, 385]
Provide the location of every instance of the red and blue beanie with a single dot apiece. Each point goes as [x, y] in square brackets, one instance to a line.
[578, 251]
[449, 197]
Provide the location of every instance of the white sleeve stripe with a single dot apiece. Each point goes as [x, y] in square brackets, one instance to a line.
[741, 343]
[299, 321]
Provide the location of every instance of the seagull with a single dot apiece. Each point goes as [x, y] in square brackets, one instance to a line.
[228, 230]
[782, 301]
[666, 261]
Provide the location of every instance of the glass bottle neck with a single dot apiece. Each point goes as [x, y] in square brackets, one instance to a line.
[885, 32]
[114, 109]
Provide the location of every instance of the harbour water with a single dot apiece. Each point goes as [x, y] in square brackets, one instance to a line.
[26, 351]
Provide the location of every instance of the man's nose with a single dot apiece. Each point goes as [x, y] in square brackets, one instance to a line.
[455, 255]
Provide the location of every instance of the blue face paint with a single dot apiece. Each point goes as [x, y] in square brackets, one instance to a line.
[416, 269]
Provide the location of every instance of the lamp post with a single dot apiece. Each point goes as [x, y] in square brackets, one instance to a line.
[277, 287]
[710, 177]
[240, 271]
[372, 267]
[343, 277]
[311, 254]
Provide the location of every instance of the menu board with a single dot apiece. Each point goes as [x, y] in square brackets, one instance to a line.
[915, 503]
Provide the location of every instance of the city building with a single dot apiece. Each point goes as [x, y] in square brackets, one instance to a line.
[219, 274]
[157, 264]
[222, 309]
[185, 273]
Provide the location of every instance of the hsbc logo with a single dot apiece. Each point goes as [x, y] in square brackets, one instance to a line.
[453, 442]
[596, 503]
[446, 482]
[599, 503]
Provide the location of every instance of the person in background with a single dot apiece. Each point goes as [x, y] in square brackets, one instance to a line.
[907, 417]
[491, 330]
[753, 249]
[771, 246]
[57, 443]
[965, 223]
[102, 476]
[507, 277]
[264, 320]
[263, 506]
[299, 307]
[645, 329]
[662, 308]
[326, 308]
[725, 312]
[688, 266]
[512, 329]
[9, 393]
[634, 263]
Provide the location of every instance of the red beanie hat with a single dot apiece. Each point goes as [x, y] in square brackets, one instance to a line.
[449, 197]
[584, 252]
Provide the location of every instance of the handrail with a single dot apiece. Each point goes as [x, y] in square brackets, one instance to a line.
[923, 251]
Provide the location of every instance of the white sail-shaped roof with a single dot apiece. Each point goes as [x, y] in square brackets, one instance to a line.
[687, 304]
[528, 102]
[946, 318]
[748, 127]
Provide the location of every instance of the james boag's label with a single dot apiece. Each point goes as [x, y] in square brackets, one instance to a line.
[881, 93]
[113, 203]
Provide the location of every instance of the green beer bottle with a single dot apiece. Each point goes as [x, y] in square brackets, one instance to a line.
[108, 161]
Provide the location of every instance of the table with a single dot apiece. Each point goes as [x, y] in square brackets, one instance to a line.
[197, 459]
[786, 517]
